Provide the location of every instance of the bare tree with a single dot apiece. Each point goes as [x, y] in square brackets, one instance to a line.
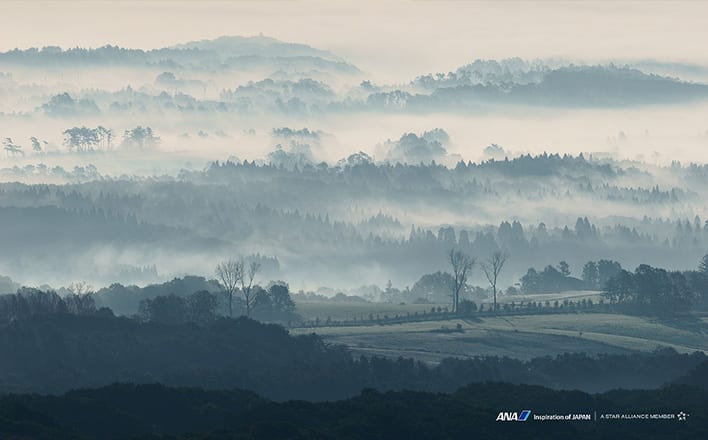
[230, 273]
[80, 288]
[492, 268]
[247, 284]
[462, 265]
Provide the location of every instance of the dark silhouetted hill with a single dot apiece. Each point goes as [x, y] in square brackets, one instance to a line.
[155, 411]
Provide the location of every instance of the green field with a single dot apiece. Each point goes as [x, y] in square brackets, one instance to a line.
[521, 337]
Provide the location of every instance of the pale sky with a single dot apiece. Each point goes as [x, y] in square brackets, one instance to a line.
[384, 38]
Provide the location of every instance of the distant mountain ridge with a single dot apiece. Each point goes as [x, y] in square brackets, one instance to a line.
[258, 45]
[297, 79]
[515, 81]
[219, 53]
[518, 71]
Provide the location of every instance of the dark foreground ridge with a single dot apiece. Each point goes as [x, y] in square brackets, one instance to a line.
[55, 353]
[159, 412]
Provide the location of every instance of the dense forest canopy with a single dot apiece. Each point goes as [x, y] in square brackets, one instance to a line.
[404, 218]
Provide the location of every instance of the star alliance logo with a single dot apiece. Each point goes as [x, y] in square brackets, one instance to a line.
[681, 416]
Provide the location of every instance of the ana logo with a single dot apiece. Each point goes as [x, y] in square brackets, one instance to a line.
[514, 416]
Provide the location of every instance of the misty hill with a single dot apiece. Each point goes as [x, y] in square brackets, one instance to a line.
[237, 46]
[607, 86]
[518, 71]
[298, 80]
[518, 82]
[683, 70]
[489, 72]
[224, 53]
[156, 411]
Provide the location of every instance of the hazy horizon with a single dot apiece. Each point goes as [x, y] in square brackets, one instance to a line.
[390, 41]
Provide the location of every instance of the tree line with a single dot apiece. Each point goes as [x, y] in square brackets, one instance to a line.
[272, 304]
[647, 289]
[89, 139]
[30, 301]
[190, 299]
[659, 291]
[82, 139]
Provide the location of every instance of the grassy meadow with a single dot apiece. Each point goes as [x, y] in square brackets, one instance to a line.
[523, 336]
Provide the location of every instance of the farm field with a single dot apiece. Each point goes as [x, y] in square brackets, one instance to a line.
[337, 311]
[572, 295]
[522, 337]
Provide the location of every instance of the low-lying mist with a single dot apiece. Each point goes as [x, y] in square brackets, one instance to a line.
[174, 159]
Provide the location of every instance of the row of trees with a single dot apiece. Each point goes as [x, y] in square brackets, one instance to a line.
[647, 289]
[202, 307]
[656, 290]
[595, 275]
[29, 301]
[236, 278]
[273, 303]
[469, 309]
[462, 266]
[436, 287]
[234, 274]
[89, 139]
